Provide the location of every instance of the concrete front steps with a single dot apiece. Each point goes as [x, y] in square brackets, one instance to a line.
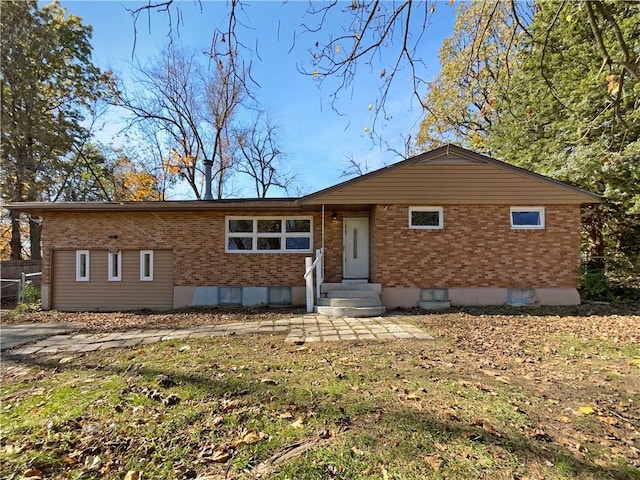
[350, 300]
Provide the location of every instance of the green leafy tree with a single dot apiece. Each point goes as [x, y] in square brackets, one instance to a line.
[553, 88]
[460, 100]
[47, 82]
[574, 116]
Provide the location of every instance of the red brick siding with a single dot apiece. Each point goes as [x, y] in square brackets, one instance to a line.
[476, 248]
[197, 241]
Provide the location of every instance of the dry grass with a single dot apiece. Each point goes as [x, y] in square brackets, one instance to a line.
[499, 394]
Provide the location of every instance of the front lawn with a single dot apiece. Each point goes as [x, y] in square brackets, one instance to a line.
[503, 395]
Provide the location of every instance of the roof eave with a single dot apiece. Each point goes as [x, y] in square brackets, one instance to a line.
[166, 206]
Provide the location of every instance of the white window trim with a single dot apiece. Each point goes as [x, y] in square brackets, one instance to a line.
[110, 274]
[440, 211]
[255, 235]
[143, 277]
[540, 210]
[79, 254]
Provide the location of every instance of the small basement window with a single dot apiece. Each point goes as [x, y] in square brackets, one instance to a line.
[527, 217]
[114, 266]
[425, 218]
[230, 295]
[146, 265]
[82, 265]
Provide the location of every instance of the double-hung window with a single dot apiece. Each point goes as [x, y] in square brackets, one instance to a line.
[268, 234]
[82, 265]
[427, 218]
[114, 265]
[527, 218]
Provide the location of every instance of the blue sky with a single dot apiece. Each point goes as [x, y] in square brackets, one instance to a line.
[316, 139]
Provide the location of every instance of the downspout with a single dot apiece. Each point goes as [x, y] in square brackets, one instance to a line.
[207, 180]
[323, 240]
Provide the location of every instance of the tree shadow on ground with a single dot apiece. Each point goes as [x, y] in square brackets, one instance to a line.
[543, 448]
[394, 416]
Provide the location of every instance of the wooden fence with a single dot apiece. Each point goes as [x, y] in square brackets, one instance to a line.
[12, 272]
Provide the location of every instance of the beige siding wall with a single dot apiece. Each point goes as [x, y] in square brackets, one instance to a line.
[451, 183]
[476, 248]
[99, 294]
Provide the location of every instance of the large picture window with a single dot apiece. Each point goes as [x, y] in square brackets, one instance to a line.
[428, 218]
[527, 217]
[268, 234]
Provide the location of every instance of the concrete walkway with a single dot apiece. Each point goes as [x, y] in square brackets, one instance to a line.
[12, 336]
[309, 328]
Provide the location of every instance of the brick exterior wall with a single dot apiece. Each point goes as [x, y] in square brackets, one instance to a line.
[476, 248]
[196, 238]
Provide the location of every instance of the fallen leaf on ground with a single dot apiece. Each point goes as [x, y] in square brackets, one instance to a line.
[607, 420]
[586, 410]
[434, 461]
[299, 423]
[220, 456]
[92, 462]
[133, 475]
[12, 449]
[357, 451]
[449, 415]
[253, 437]
[217, 420]
[32, 474]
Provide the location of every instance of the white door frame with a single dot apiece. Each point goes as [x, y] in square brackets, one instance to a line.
[355, 247]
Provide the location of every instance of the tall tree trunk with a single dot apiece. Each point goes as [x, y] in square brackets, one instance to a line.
[15, 242]
[35, 234]
[593, 223]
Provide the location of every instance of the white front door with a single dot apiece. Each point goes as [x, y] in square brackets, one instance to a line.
[355, 248]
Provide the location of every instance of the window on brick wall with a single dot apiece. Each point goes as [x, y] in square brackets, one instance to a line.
[82, 265]
[427, 218]
[527, 217]
[268, 234]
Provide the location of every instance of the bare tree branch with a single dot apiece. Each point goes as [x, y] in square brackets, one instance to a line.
[354, 168]
[374, 27]
[261, 156]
